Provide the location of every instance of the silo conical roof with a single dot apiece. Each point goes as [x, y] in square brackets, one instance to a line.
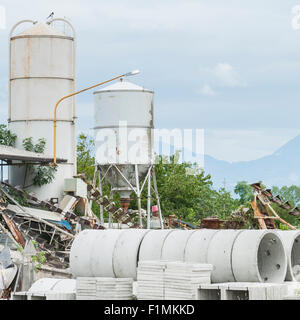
[123, 85]
[41, 28]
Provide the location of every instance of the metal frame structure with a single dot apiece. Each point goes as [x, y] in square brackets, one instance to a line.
[266, 219]
[137, 190]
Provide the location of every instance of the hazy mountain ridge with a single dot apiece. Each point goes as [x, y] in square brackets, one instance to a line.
[280, 168]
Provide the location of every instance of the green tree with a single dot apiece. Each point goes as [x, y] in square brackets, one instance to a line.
[85, 156]
[224, 204]
[186, 191]
[86, 165]
[41, 174]
[291, 194]
[244, 191]
[6, 136]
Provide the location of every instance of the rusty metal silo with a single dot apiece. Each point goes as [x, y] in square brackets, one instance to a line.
[42, 70]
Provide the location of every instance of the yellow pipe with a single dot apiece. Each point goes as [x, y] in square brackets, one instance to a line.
[68, 96]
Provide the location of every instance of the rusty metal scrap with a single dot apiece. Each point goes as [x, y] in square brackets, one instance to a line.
[24, 227]
[175, 222]
[14, 230]
[267, 193]
[68, 215]
[108, 205]
[256, 186]
[211, 223]
[54, 240]
[263, 210]
[295, 211]
[276, 199]
[286, 205]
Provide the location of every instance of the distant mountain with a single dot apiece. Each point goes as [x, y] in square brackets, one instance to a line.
[280, 168]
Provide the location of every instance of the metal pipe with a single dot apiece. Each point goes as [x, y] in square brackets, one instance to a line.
[68, 96]
[75, 93]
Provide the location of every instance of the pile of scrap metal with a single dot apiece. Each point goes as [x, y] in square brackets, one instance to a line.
[24, 220]
[264, 212]
[238, 219]
[52, 229]
[261, 214]
[242, 218]
[178, 223]
[211, 223]
[8, 271]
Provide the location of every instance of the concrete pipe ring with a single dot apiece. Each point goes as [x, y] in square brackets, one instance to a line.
[126, 253]
[175, 244]
[197, 245]
[291, 243]
[259, 256]
[152, 244]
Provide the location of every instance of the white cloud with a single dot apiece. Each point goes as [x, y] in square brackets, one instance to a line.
[223, 75]
[207, 90]
[227, 76]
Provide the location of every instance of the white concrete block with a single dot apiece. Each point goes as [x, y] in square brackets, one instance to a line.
[242, 291]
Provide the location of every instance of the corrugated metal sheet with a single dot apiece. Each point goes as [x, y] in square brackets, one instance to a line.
[5, 240]
[43, 214]
[11, 153]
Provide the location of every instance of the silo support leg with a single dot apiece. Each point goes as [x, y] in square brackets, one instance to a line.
[110, 214]
[157, 199]
[149, 202]
[94, 185]
[140, 211]
[138, 195]
[101, 194]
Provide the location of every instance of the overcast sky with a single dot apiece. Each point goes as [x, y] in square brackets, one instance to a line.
[231, 67]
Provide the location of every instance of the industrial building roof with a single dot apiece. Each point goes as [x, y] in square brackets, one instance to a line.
[11, 153]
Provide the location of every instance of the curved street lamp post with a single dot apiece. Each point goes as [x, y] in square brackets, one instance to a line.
[73, 94]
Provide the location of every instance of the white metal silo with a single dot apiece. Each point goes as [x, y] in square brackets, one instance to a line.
[123, 118]
[42, 70]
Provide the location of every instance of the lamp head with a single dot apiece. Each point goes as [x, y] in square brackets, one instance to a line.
[132, 73]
